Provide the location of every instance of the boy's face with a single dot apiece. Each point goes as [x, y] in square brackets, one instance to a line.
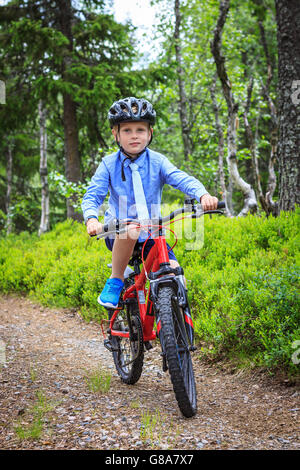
[133, 136]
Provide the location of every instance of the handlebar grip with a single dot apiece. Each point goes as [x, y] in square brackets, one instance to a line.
[105, 229]
[221, 205]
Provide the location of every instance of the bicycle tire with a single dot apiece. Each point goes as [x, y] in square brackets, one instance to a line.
[128, 353]
[175, 346]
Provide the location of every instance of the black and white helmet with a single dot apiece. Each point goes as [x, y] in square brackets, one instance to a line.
[131, 109]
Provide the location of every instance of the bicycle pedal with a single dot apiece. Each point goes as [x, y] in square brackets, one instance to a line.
[108, 346]
[148, 345]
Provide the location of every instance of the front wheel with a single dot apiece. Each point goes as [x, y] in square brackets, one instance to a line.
[175, 345]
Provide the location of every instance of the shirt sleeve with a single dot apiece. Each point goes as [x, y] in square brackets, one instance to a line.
[96, 192]
[182, 181]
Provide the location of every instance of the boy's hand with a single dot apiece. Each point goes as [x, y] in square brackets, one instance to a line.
[93, 226]
[208, 202]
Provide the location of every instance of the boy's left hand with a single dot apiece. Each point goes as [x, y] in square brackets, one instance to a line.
[208, 202]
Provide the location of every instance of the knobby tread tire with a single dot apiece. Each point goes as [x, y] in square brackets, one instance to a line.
[186, 399]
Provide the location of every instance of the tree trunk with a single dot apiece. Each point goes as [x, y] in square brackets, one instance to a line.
[72, 159]
[288, 21]
[250, 202]
[45, 212]
[9, 164]
[272, 207]
[185, 130]
[251, 141]
[229, 193]
[220, 147]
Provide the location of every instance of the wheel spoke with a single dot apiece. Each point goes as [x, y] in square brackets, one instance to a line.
[129, 355]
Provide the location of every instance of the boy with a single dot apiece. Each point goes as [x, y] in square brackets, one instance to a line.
[134, 189]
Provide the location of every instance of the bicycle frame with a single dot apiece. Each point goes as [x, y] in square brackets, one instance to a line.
[157, 256]
[158, 266]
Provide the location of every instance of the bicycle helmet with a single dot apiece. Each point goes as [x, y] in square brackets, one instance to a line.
[131, 109]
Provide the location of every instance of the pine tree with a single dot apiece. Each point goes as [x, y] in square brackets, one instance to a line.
[71, 55]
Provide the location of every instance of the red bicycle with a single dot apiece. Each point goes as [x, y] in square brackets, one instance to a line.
[154, 303]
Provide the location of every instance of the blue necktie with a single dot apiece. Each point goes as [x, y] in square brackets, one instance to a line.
[139, 195]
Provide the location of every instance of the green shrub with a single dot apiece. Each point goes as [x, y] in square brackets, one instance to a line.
[245, 289]
[63, 267]
[243, 283]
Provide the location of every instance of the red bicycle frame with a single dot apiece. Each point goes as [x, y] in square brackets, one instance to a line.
[157, 255]
[157, 258]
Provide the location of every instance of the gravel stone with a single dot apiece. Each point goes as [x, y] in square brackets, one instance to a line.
[51, 352]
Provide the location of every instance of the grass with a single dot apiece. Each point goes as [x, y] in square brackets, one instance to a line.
[154, 429]
[37, 418]
[33, 372]
[98, 381]
[30, 431]
[135, 404]
[151, 426]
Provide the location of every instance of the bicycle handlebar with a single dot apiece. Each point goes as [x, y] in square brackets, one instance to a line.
[114, 226]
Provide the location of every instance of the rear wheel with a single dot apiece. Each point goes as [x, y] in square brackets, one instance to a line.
[175, 346]
[128, 353]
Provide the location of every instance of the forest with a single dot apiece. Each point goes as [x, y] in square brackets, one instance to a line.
[225, 84]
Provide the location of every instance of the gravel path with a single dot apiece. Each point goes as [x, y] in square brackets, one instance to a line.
[49, 356]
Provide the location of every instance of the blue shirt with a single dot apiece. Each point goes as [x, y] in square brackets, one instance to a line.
[155, 170]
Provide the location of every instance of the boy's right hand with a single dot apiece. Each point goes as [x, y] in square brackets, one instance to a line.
[93, 226]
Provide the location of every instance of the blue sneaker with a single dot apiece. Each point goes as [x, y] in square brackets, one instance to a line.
[110, 295]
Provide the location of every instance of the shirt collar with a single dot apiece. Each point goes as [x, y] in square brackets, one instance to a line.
[139, 161]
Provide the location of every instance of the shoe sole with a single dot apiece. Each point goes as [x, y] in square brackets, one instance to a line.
[107, 304]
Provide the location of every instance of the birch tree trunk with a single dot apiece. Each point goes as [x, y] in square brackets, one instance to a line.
[250, 202]
[185, 130]
[220, 133]
[272, 207]
[45, 212]
[251, 141]
[288, 21]
[9, 164]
